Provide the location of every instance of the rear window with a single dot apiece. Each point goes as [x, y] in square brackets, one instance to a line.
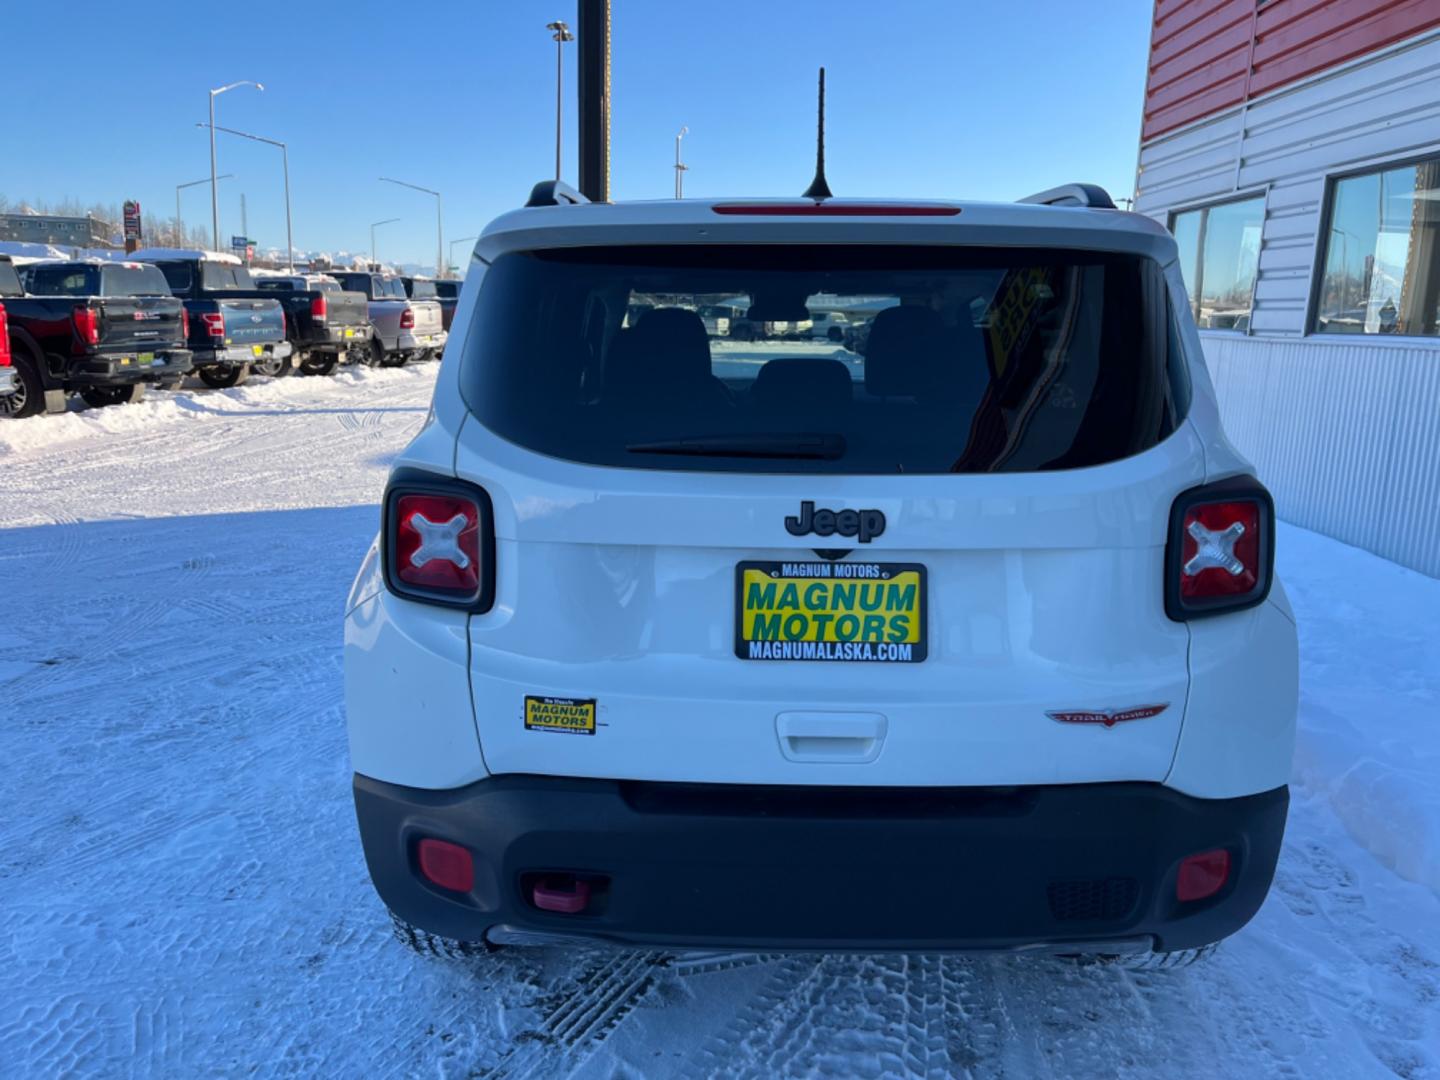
[9, 280]
[826, 359]
[220, 275]
[390, 288]
[62, 280]
[275, 285]
[133, 281]
[448, 289]
[421, 290]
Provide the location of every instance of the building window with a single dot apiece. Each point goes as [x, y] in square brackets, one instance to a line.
[1382, 253]
[1219, 255]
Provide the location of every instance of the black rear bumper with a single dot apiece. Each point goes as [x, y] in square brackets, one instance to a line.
[681, 865]
[124, 369]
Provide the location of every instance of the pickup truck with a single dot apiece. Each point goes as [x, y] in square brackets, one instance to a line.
[233, 325]
[449, 297]
[325, 324]
[405, 329]
[104, 330]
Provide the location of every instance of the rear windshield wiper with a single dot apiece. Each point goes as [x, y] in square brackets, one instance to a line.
[806, 445]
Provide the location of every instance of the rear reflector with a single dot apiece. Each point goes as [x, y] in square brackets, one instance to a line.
[1202, 875]
[834, 209]
[447, 865]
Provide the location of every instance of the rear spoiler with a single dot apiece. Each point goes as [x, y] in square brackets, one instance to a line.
[554, 193]
[1089, 195]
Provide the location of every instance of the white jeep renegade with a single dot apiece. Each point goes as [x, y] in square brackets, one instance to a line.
[961, 633]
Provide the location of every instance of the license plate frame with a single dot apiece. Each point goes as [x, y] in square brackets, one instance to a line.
[862, 647]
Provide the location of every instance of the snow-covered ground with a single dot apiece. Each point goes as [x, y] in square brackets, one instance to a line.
[182, 890]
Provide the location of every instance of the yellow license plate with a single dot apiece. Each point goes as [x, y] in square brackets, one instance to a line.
[838, 610]
[349, 332]
[146, 358]
[258, 350]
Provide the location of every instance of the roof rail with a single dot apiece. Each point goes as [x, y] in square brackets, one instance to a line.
[554, 193]
[1091, 195]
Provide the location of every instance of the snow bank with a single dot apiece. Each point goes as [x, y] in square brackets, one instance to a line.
[1369, 738]
[197, 402]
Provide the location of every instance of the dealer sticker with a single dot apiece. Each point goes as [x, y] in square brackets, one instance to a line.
[573, 715]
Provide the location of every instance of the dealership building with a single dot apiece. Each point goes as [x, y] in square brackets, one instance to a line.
[1293, 148]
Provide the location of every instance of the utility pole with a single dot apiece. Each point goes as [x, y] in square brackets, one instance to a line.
[680, 169]
[439, 219]
[244, 218]
[373, 226]
[285, 163]
[562, 35]
[214, 187]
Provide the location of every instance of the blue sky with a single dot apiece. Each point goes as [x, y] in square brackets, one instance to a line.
[958, 99]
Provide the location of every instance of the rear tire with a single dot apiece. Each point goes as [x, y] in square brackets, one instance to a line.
[29, 396]
[273, 366]
[395, 359]
[318, 363]
[427, 944]
[377, 353]
[1161, 961]
[97, 397]
[222, 378]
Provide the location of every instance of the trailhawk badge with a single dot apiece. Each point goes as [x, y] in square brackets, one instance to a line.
[1108, 717]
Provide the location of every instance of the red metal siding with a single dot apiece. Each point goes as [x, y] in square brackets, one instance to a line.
[1209, 55]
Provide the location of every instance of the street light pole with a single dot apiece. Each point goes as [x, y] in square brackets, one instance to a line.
[451, 261]
[562, 35]
[179, 227]
[373, 225]
[285, 163]
[439, 225]
[214, 190]
[680, 169]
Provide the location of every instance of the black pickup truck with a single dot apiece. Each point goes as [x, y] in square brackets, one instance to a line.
[233, 325]
[101, 329]
[326, 325]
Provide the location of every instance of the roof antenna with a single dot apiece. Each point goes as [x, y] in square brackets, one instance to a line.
[818, 188]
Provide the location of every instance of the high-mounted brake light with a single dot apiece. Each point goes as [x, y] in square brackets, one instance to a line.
[438, 542]
[1221, 550]
[407, 319]
[4, 338]
[834, 209]
[319, 309]
[87, 325]
[214, 323]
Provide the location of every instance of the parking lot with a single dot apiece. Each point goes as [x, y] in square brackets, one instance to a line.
[184, 890]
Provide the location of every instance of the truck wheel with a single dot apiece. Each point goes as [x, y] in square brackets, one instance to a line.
[377, 353]
[29, 396]
[318, 363]
[222, 378]
[395, 359]
[97, 397]
[1164, 961]
[273, 366]
[428, 944]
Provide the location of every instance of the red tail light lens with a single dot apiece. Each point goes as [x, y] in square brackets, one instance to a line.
[284, 325]
[214, 323]
[184, 324]
[1221, 549]
[1202, 875]
[407, 319]
[319, 309]
[445, 864]
[438, 540]
[4, 338]
[87, 325]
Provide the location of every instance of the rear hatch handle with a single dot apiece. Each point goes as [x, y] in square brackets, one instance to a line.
[831, 737]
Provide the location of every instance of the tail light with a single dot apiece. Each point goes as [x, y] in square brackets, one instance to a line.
[1220, 555]
[214, 323]
[438, 541]
[87, 325]
[184, 324]
[407, 319]
[284, 325]
[319, 309]
[445, 864]
[4, 338]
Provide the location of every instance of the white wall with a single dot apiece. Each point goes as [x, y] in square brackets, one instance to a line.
[1346, 433]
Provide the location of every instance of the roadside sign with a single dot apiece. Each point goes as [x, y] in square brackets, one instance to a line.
[238, 242]
[132, 220]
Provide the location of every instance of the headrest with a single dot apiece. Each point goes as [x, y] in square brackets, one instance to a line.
[808, 385]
